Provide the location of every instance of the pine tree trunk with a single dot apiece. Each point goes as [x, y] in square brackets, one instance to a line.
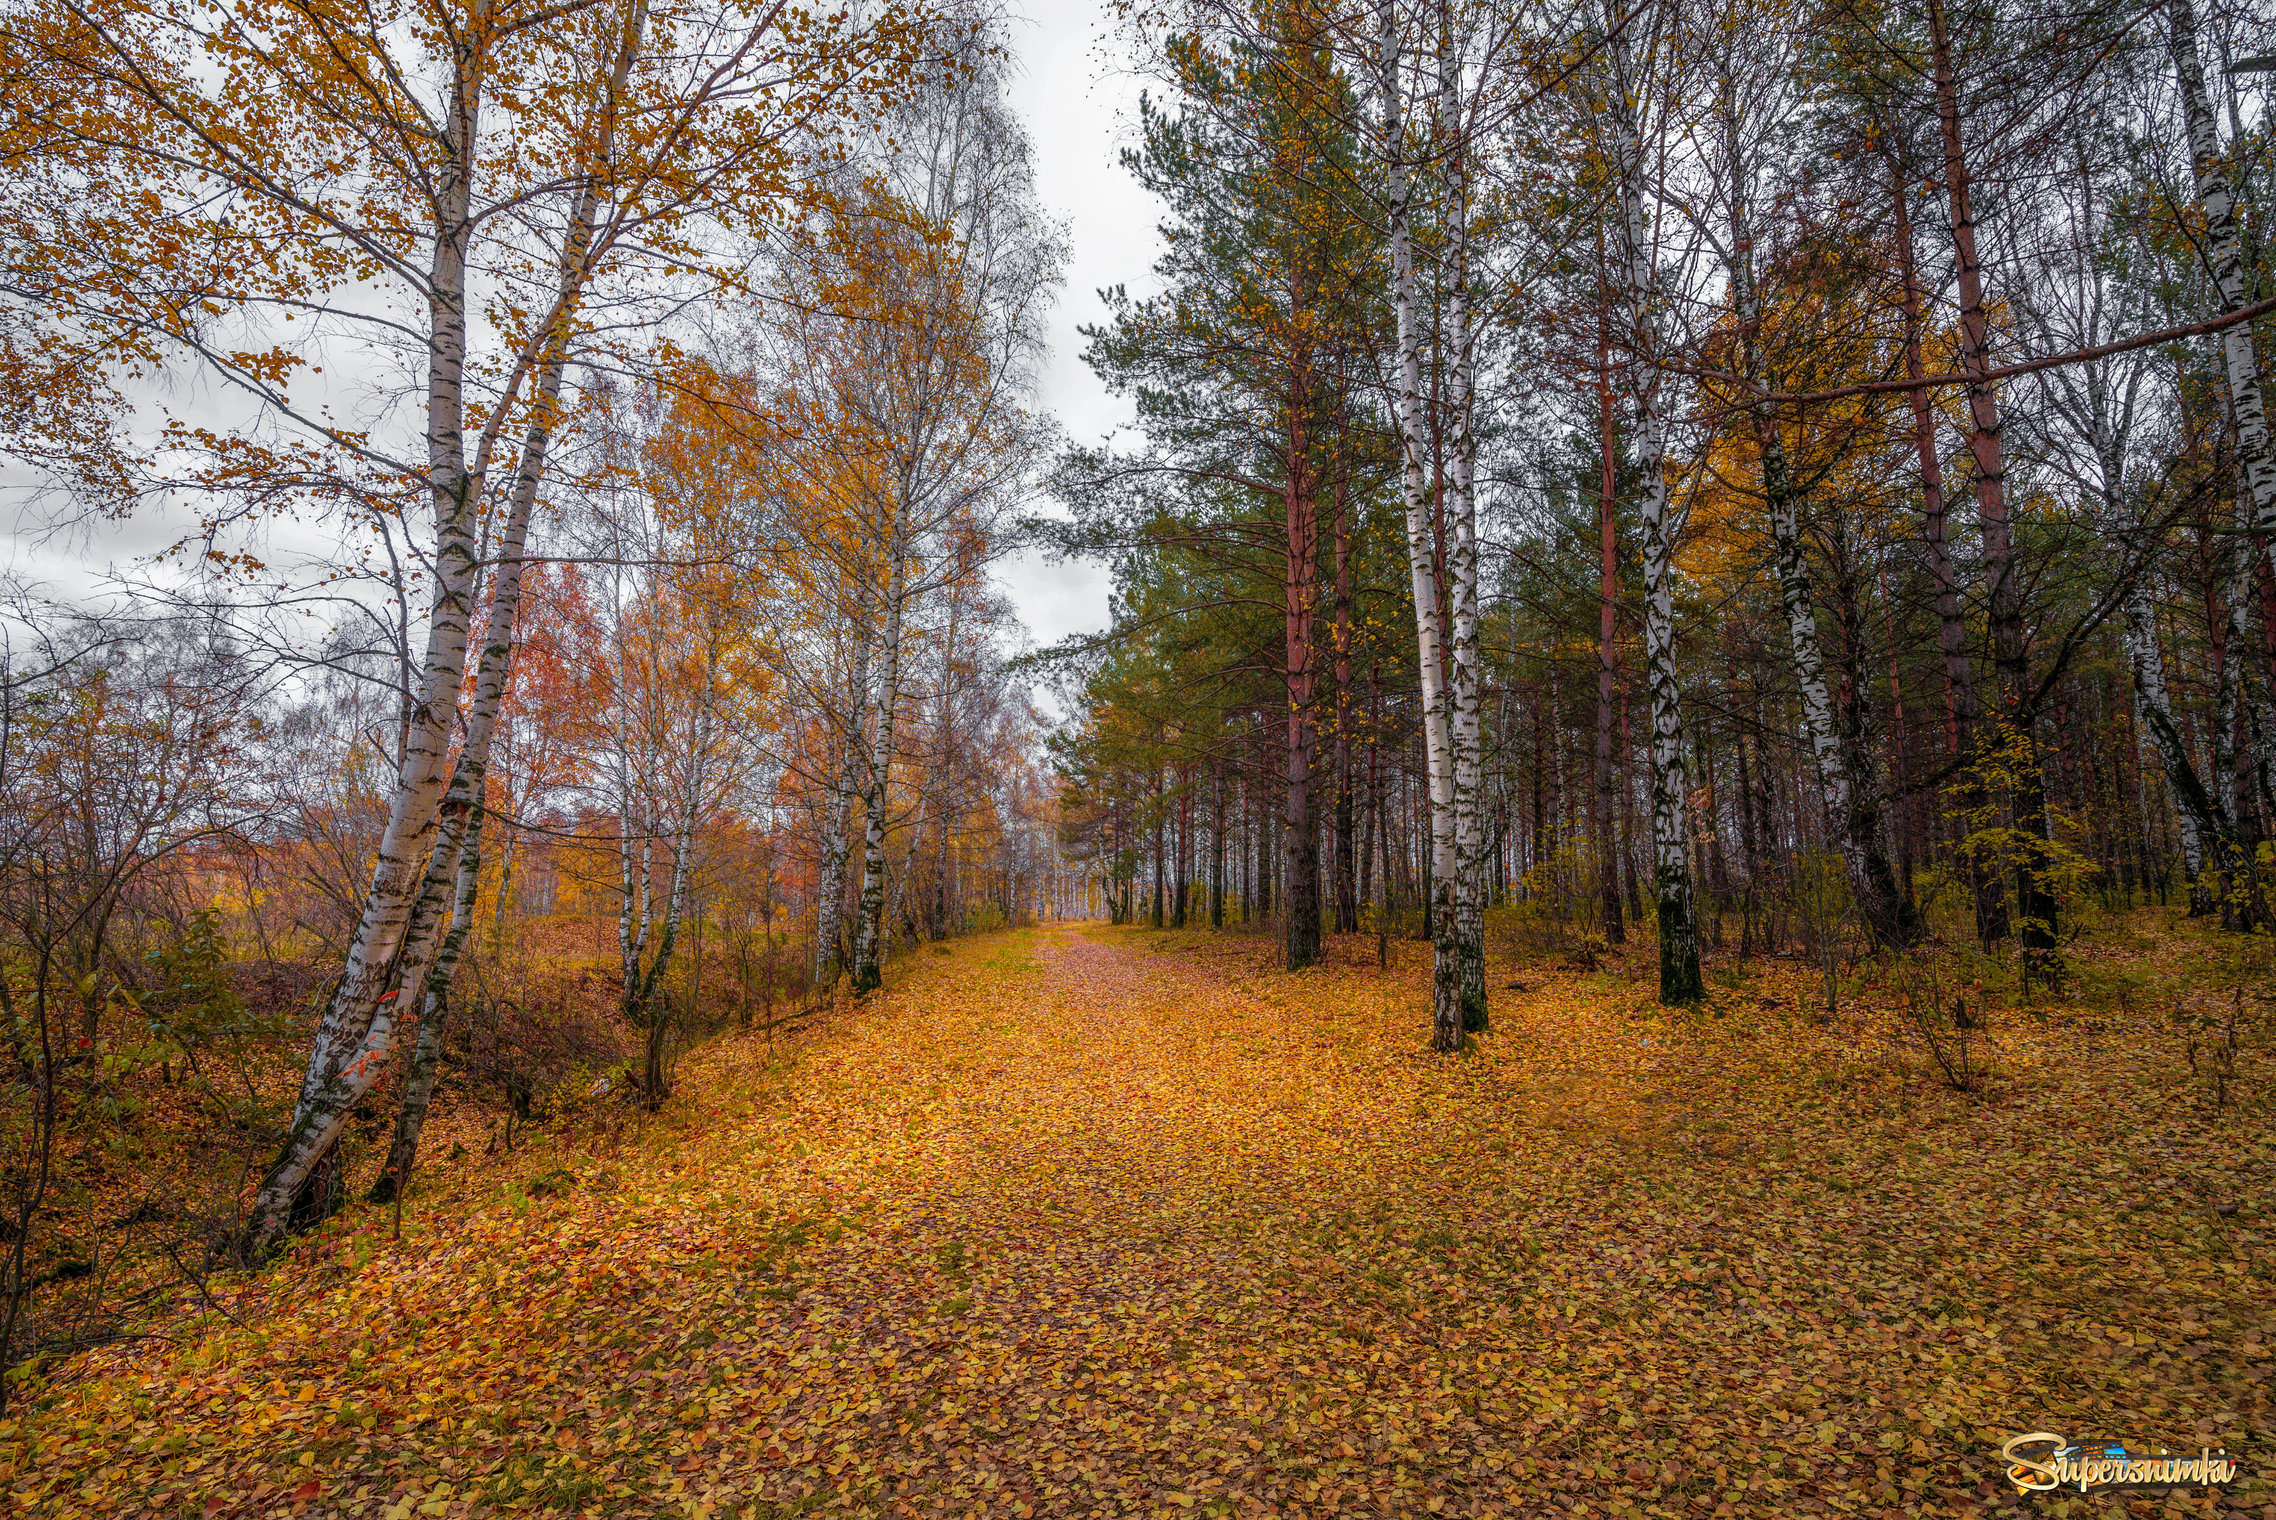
[2037, 909]
[1346, 861]
[1300, 849]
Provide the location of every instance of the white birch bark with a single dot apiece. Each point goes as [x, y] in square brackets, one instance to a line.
[830, 950]
[329, 1089]
[644, 973]
[635, 842]
[357, 1028]
[425, 965]
[2236, 702]
[1678, 924]
[2225, 258]
[1783, 509]
[427, 1046]
[1464, 696]
[869, 925]
[694, 803]
[2198, 815]
[1422, 555]
[2247, 408]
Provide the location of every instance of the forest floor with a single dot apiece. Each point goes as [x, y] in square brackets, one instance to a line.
[1083, 1221]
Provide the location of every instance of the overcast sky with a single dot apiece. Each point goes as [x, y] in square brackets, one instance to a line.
[1080, 105]
[1079, 109]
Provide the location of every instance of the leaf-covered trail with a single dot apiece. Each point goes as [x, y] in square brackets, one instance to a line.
[1089, 1221]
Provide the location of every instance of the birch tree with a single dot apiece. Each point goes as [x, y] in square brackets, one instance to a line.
[905, 374]
[1752, 113]
[1680, 980]
[1458, 135]
[1438, 664]
[2224, 261]
[363, 158]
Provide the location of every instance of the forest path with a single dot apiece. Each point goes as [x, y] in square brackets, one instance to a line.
[1101, 1221]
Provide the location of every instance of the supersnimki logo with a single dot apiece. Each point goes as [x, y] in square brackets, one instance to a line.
[2042, 1462]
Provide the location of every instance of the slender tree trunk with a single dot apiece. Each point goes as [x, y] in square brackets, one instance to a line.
[1217, 844]
[1951, 618]
[1854, 819]
[2026, 804]
[2198, 814]
[831, 960]
[1960, 705]
[1422, 564]
[1300, 848]
[1346, 862]
[2224, 257]
[641, 985]
[357, 1029]
[635, 856]
[1900, 769]
[1184, 854]
[1465, 695]
[1680, 981]
[1165, 854]
[1608, 585]
[869, 921]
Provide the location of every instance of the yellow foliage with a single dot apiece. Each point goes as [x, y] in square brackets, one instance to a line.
[1088, 1220]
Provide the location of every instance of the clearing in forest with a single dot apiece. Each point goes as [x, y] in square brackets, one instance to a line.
[1101, 1221]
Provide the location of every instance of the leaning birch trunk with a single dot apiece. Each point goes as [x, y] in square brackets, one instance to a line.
[2200, 818]
[2204, 824]
[426, 1052]
[1872, 886]
[460, 834]
[456, 821]
[1422, 564]
[1678, 924]
[1464, 698]
[869, 922]
[357, 1028]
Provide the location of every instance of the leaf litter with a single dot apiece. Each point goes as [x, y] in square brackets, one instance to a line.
[1058, 1226]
